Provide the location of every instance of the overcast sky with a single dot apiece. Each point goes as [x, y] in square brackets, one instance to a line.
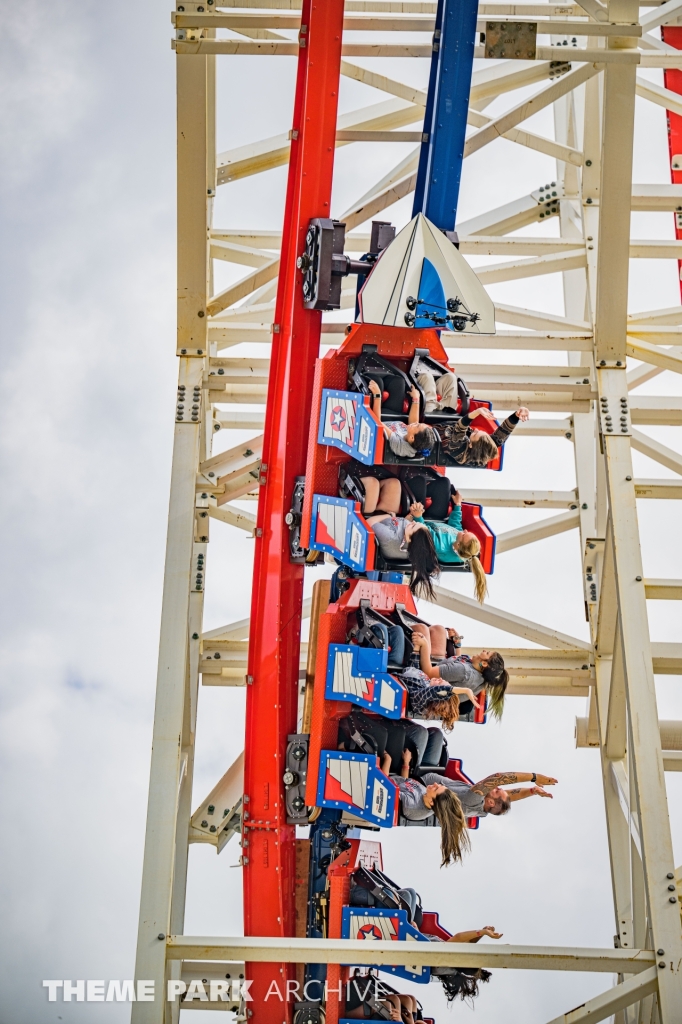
[88, 378]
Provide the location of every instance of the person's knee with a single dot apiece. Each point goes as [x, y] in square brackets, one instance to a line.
[439, 639]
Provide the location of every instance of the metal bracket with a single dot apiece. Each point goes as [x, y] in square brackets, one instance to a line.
[548, 198]
[592, 562]
[511, 39]
[294, 778]
[293, 521]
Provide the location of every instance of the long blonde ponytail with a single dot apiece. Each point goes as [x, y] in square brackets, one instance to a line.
[469, 550]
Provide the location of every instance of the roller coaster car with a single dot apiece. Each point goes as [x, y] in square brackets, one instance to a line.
[373, 923]
[338, 527]
[347, 423]
[353, 782]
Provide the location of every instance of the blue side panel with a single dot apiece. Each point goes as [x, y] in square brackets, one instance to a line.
[431, 296]
[359, 676]
[345, 423]
[374, 924]
[353, 783]
[440, 163]
[335, 527]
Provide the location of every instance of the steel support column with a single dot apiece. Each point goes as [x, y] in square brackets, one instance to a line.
[274, 639]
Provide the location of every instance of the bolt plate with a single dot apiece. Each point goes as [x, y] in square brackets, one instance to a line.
[511, 39]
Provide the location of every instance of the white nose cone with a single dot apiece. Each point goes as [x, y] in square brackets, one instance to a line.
[422, 264]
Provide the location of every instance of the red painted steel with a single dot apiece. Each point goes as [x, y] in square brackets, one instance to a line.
[274, 639]
[672, 78]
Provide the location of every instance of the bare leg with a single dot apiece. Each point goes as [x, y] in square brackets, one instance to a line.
[409, 1007]
[372, 488]
[421, 627]
[390, 493]
[439, 638]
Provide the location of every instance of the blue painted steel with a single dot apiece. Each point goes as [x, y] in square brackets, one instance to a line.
[365, 923]
[440, 161]
[347, 423]
[359, 675]
[431, 297]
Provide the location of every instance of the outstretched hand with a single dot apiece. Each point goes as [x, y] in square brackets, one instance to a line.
[545, 780]
[414, 394]
[374, 387]
[419, 641]
[539, 791]
[485, 413]
[489, 930]
[522, 413]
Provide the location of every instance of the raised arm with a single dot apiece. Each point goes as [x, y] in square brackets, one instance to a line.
[521, 794]
[490, 783]
[476, 936]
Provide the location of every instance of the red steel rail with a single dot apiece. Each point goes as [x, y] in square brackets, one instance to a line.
[672, 79]
[274, 638]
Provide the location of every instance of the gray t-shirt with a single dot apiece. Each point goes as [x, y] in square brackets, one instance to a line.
[398, 442]
[412, 793]
[390, 535]
[461, 673]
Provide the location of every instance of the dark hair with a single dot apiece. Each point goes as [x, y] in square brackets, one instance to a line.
[463, 983]
[424, 561]
[481, 451]
[496, 679]
[424, 439]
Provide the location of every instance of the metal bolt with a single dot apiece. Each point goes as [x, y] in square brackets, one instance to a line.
[201, 313]
[660, 952]
[671, 888]
[584, 505]
[204, 824]
[210, 808]
[160, 936]
[588, 163]
[661, 963]
[586, 380]
[195, 636]
[618, 362]
[212, 828]
[183, 351]
[589, 202]
[211, 474]
[670, 875]
[573, 506]
[569, 435]
[673, 899]
[628, 478]
[638, 578]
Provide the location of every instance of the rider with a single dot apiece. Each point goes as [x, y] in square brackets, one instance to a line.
[484, 671]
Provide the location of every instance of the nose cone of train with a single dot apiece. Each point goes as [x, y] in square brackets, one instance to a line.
[421, 278]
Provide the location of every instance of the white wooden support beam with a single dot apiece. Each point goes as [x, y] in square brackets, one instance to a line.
[602, 1006]
[663, 590]
[167, 832]
[516, 270]
[615, 739]
[666, 358]
[438, 954]
[527, 108]
[670, 316]
[507, 621]
[234, 517]
[550, 341]
[217, 817]
[537, 531]
[274, 151]
[234, 292]
[232, 252]
[656, 451]
[520, 499]
[614, 223]
[666, 490]
[532, 141]
[662, 15]
[645, 747]
[517, 316]
[659, 411]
